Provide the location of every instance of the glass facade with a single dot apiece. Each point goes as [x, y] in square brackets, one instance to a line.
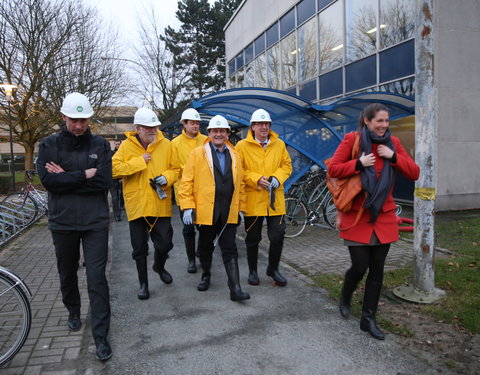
[325, 49]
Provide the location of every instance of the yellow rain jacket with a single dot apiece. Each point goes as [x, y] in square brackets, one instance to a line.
[275, 161]
[141, 200]
[183, 145]
[197, 188]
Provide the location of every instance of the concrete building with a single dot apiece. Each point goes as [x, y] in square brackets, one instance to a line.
[324, 50]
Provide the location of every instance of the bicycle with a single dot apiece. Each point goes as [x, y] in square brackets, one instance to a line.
[28, 203]
[15, 314]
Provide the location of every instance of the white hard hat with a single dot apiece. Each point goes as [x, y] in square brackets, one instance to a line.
[76, 105]
[260, 115]
[146, 117]
[218, 122]
[190, 114]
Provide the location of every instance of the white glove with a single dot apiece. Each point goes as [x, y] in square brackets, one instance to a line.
[274, 183]
[187, 216]
[161, 180]
[241, 215]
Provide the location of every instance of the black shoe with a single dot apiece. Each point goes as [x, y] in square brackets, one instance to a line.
[104, 352]
[164, 275]
[368, 324]
[253, 278]
[278, 279]
[204, 284]
[192, 267]
[74, 322]
[143, 292]
[118, 218]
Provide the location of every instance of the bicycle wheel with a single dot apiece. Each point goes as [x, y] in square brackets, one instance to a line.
[15, 318]
[330, 212]
[295, 217]
[318, 193]
[23, 207]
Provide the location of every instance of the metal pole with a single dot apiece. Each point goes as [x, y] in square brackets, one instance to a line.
[423, 289]
[12, 165]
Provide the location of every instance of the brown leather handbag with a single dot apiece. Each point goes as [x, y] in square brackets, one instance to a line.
[344, 190]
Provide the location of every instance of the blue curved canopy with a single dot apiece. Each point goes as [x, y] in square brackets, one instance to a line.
[312, 132]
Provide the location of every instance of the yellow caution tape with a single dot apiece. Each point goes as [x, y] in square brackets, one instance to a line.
[424, 193]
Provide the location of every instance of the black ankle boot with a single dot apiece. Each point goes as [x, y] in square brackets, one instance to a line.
[253, 278]
[205, 282]
[159, 267]
[368, 324]
[278, 279]
[143, 293]
[252, 258]
[236, 293]
[349, 286]
[370, 303]
[190, 249]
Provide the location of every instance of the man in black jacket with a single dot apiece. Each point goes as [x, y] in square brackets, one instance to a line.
[75, 167]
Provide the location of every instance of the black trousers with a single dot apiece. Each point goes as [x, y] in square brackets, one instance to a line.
[371, 258]
[95, 253]
[160, 231]
[275, 231]
[188, 230]
[116, 194]
[226, 241]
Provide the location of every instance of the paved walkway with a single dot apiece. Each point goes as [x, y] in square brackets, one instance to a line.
[304, 315]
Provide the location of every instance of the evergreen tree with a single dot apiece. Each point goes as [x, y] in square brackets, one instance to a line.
[199, 44]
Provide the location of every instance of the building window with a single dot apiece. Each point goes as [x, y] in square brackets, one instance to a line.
[287, 23]
[331, 37]
[231, 82]
[249, 75]
[289, 61]
[308, 90]
[397, 21]
[307, 50]
[405, 87]
[361, 74]
[273, 67]
[323, 3]
[261, 71]
[361, 28]
[331, 84]
[240, 78]
[231, 66]
[305, 9]
[239, 60]
[249, 53]
[398, 61]
[272, 35]
[259, 45]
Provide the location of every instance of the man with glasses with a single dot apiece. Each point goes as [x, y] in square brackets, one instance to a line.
[183, 145]
[75, 167]
[146, 164]
[266, 166]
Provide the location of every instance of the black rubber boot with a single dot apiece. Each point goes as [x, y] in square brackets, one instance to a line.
[190, 249]
[159, 267]
[272, 269]
[236, 293]
[349, 286]
[252, 257]
[370, 303]
[205, 282]
[142, 271]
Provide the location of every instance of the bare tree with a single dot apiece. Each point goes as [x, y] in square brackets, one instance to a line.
[49, 48]
[157, 68]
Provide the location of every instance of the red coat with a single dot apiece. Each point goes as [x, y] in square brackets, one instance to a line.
[385, 227]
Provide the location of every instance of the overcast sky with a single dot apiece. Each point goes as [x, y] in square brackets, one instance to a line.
[124, 15]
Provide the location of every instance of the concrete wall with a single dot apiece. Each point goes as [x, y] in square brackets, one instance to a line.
[254, 17]
[457, 81]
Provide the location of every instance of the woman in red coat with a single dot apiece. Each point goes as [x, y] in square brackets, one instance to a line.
[381, 156]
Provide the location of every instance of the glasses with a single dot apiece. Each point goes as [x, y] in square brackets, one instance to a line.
[261, 124]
